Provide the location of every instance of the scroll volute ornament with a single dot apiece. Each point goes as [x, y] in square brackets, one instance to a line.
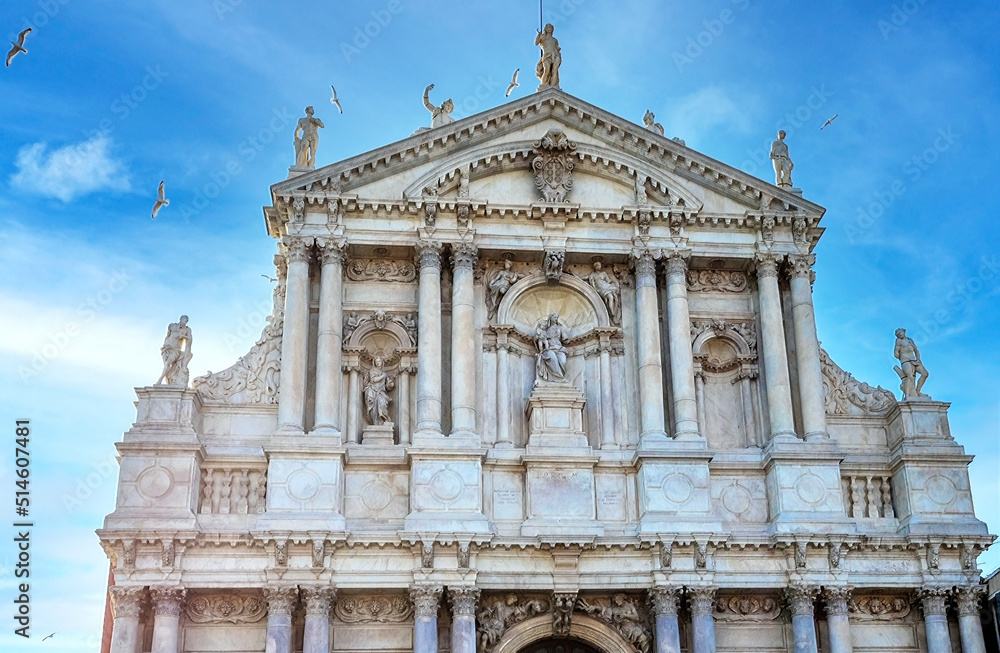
[553, 165]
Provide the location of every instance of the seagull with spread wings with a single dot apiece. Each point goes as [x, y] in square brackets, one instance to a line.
[828, 122]
[47, 636]
[271, 279]
[334, 100]
[18, 46]
[513, 82]
[161, 201]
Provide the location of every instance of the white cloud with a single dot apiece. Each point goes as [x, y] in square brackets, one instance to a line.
[70, 171]
[710, 109]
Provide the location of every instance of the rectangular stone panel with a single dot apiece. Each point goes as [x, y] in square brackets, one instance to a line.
[218, 638]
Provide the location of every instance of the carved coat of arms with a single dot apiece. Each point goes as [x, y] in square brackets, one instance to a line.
[553, 165]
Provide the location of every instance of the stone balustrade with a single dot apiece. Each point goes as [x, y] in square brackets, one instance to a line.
[232, 490]
[868, 496]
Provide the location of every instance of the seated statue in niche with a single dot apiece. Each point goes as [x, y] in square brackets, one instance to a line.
[497, 287]
[608, 289]
[378, 383]
[550, 365]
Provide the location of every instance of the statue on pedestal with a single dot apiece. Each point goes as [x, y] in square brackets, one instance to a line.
[306, 139]
[909, 366]
[782, 163]
[609, 291]
[378, 383]
[441, 115]
[550, 365]
[547, 69]
[176, 353]
[649, 121]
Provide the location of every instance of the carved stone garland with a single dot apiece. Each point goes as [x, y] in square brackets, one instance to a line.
[717, 281]
[553, 165]
[747, 607]
[226, 608]
[845, 395]
[373, 609]
[381, 270]
[879, 607]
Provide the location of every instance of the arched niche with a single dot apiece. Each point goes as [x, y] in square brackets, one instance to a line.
[583, 628]
[379, 337]
[726, 406]
[580, 308]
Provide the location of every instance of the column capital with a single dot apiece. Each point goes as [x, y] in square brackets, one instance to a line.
[332, 250]
[429, 254]
[934, 600]
[167, 600]
[676, 261]
[127, 601]
[663, 599]
[800, 266]
[968, 599]
[837, 599]
[464, 255]
[766, 264]
[644, 263]
[701, 601]
[297, 249]
[463, 600]
[801, 599]
[318, 599]
[280, 600]
[425, 600]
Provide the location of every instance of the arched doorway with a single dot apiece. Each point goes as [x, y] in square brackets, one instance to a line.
[558, 645]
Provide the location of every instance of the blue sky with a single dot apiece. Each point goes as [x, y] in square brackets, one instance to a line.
[115, 96]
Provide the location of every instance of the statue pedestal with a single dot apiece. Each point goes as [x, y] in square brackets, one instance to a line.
[378, 435]
[555, 418]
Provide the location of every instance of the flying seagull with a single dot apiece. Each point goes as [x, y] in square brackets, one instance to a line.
[160, 201]
[828, 122]
[271, 279]
[18, 46]
[513, 82]
[47, 636]
[334, 100]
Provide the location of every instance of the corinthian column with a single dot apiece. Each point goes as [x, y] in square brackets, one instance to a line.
[681, 357]
[126, 603]
[425, 621]
[280, 601]
[294, 338]
[317, 631]
[463, 619]
[463, 345]
[701, 601]
[837, 619]
[667, 630]
[167, 605]
[807, 347]
[652, 421]
[934, 602]
[429, 339]
[779, 390]
[801, 603]
[329, 343]
[969, 624]
[607, 396]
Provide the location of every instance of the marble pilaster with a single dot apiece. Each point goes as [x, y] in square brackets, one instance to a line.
[463, 345]
[667, 635]
[607, 396]
[503, 386]
[776, 379]
[329, 344]
[425, 600]
[652, 422]
[126, 604]
[429, 401]
[295, 338]
[810, 375]
[167, 605]
[679, 340]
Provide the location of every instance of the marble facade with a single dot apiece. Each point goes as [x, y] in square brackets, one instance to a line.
[698, 475]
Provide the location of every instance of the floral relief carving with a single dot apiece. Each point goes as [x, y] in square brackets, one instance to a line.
[747, 607]
[373, 609]
[226, 608]
[845, 395]
[381, 270]
[717, 281]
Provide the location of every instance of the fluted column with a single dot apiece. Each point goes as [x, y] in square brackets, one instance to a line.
[463, 345]
[429, 339]
[935, 606]
[503, 386]
[317, 631]
[280, 601]
[425, 622]
[969, 624]
[463, 618]
[801, 602]
[126, 603]
[607, 397]
[294, 338]
[167, 605]
[807, 347]
[838, 619]
[329, 344]
[681, 358]
[779, 390]
[701, 601]
[667, 634]
[652, 421]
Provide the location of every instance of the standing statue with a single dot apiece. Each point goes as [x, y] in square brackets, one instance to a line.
[782, 163]
[608, 289]
[641, 197]
[551, 362]
[306, 142]
[649, 120]
[378, 383]
[497, 287]
[176, 353]
[909, 366]
[441, 115]
[547, 69]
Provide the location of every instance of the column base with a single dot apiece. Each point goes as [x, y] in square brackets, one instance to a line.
[328, 431]
[817, 436]
[289, 429]
[654, 440]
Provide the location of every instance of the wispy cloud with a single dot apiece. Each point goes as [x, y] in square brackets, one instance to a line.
[70, 171]
[697, 115]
